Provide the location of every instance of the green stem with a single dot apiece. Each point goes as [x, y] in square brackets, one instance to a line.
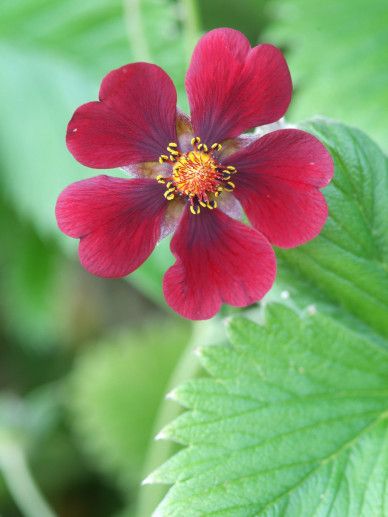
[20, 483]
[191, 26]
[135, 31]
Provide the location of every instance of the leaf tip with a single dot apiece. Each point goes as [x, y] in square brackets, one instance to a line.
[161, 436]
[231, 321]
[172, 395]
[149, 480]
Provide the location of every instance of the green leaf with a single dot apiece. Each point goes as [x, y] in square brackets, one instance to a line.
[337, 56]
[345, 268]
[293, 421]
[29, 289]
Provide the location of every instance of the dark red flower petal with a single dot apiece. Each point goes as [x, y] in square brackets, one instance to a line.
[133, 122]
[277, 184]
[232, 87]
[118, 222]
[219, 260]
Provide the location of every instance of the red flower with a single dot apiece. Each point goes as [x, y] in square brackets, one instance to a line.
[195, 174]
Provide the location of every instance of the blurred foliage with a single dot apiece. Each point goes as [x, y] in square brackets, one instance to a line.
[114, 393]
[84, 362]
[248, 16]
[337, 53]
[28, 289]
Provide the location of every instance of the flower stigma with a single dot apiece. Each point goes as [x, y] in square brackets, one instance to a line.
[196, 176]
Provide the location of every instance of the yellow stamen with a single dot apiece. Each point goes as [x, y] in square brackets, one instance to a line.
[229, 186]
[195, 210]
[163, 158]
[170, 197]
[169, 194]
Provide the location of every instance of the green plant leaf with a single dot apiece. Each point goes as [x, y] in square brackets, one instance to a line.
[337, 56]
[293, 417]
[29, 289]
[345, 268]
[293, 421]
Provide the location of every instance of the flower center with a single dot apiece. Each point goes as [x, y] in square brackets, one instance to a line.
[196, 176]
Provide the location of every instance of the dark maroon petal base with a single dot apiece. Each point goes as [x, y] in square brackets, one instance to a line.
[219, 260]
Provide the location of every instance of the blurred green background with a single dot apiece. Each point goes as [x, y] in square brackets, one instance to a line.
[85, 362]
